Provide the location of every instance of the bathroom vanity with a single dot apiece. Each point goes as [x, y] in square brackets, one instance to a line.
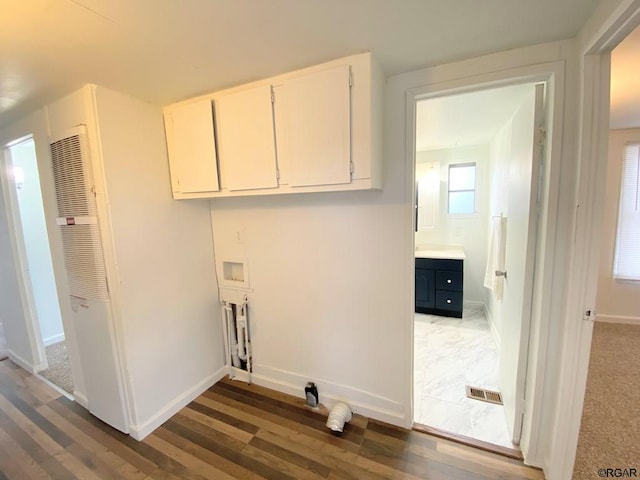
[439, 280]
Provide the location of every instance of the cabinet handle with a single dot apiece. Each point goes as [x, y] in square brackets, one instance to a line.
[448, 300]
[448, 280]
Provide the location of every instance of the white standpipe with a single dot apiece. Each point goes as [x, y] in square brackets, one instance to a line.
[233, 341]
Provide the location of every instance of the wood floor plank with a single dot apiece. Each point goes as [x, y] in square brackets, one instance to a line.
[88, 425]
[299, 402]
[232, 431]
[478, 459]
[284, 468]
[33, 430]
[434, 455]
[9, 468]
[232, 454]
[10, 402]
[299, 413]
[276, 451]
[41, 390]
[277, 418]
[190, 462]
[17, 454]
[222, 417]
[212, 422]
[207, 431]
[227, 466]
[75, 466]
[33, 448]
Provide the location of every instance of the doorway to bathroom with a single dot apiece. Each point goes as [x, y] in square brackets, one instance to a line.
[477, 158]
[35, 262]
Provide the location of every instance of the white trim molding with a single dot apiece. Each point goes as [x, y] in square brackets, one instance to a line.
[18, 360]
[140, 431]
[543, 63]
[600, 35]
[626, 320]
[361, 402]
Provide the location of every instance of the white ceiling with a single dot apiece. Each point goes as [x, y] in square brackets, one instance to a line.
[466, 119]
[167, 50]
[625, 87]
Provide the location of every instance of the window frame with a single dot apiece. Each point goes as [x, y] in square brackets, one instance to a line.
[615, 273]
[451, 166]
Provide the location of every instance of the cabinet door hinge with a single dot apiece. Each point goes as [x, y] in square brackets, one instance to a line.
[277, 174]
[350, 77]
[541, 137]
[273, 96]
[351, 168]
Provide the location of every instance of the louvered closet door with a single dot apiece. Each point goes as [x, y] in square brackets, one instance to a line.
[86, 273]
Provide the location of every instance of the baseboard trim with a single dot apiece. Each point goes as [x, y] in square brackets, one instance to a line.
[81, 399]
[617, 319]
[55, 339]
[360, 401]
[17, 359]
[140, 431]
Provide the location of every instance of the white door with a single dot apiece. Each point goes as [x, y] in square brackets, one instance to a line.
[520, 245]
[316, 113]
[246, 139]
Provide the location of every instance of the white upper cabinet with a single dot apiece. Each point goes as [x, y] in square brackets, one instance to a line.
[246, 139]
[314, 130]
[192, 148]
[316, 118]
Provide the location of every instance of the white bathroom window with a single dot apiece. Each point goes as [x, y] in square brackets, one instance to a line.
[462, 189]
[626, 265]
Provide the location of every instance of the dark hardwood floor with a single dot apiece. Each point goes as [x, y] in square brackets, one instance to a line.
[233, 430]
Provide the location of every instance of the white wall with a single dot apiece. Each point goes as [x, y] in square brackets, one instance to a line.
[161, 270]
[326, 304]
[469, 231]
[498, 205]
[164, 254]
[617, 300]
[36, 241]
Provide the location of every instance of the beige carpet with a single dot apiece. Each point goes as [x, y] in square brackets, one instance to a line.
[59, 371]
[610, 429]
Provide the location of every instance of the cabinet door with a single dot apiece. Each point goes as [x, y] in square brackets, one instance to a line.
[425, 290]
[192, 148]
[316, 114]
[246, 139]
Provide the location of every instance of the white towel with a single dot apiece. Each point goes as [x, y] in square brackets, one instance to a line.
[495, 256]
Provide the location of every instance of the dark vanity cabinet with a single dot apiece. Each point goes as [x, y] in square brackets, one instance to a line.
[439, 286]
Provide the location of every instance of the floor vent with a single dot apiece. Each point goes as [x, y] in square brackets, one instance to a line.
[484, 395]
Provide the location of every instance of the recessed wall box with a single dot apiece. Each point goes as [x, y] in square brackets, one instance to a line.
[234, 273]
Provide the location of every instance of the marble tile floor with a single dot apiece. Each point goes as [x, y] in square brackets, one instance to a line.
[450, 353]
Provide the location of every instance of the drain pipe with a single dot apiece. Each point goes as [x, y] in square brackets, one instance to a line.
[233, 341]
[339, 415]
[244, 352]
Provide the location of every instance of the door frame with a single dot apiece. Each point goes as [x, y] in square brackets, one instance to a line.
[593, 141]
[553, 74]
[16, 236]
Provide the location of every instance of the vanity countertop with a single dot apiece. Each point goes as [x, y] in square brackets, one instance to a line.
[451, 252]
